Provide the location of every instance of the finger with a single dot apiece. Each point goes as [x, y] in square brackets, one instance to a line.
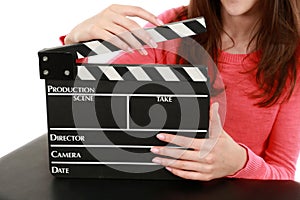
[182, 154]
[144, 36]
[183, 165]
[95, 32]
[135, 11]
[127, 37]
[181, 140]
[191, 175]
[136, 29]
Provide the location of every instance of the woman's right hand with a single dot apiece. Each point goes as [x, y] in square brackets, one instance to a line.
[113, 25]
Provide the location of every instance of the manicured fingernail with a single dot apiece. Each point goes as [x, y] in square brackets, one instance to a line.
[143, 51]
[153, 44]
[159, 22]
[169, 169]
[161, 136]
[130, 50]
[154, 150]
[156, 160]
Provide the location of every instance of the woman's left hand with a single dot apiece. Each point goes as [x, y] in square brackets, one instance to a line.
[211, 158]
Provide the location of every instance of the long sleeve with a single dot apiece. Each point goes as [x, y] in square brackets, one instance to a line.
[280, 157]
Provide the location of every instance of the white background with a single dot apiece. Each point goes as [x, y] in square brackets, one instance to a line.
[27, 27]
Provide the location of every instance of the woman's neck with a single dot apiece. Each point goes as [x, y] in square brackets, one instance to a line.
[238, 32]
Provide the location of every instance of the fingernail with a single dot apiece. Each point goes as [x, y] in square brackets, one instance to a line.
[156, 160]
[130, 50]
[159, 22]
[154, 150]
[143, 51]
[161, 136]
[153, 44]
[169, 169]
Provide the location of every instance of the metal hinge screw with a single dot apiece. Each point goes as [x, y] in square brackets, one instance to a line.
[45, 58]
[45, 72]
[67, 73]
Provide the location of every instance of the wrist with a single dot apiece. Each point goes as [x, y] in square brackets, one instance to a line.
[243, 158]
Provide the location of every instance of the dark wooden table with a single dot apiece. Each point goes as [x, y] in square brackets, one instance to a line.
[24, 175]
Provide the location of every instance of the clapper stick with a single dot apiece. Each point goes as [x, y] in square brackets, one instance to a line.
[146, 73]
[59, 62]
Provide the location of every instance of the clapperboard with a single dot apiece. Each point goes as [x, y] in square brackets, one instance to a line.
[103, 118]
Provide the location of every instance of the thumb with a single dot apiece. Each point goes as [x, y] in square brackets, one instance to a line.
[215, 130]
[215, 125]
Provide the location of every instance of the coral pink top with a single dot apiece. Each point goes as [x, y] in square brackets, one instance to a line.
[270, 135]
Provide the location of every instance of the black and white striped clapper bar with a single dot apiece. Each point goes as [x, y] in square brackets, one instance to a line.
[103, 118]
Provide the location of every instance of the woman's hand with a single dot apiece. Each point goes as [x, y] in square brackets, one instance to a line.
[113, 25]
[211, 158]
